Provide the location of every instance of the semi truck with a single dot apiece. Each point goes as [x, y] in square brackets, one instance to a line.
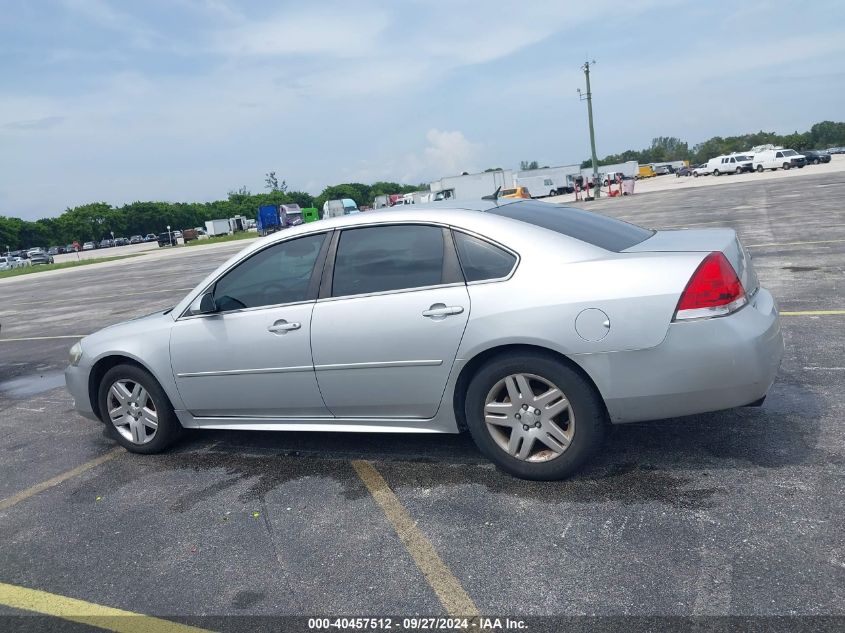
[272, 218]
[338, 208]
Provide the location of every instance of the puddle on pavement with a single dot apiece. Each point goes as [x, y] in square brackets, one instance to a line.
[26, 386]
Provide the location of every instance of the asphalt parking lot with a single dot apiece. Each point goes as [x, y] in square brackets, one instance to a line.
[733, 513]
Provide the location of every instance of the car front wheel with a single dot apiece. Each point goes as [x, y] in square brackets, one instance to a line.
[136, 410]
[534, 416]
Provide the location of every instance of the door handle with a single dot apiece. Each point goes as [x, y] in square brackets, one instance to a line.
[283, 327]
[441, 310]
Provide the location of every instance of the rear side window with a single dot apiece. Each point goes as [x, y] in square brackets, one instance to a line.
[384, 258]
[593, 228]
[482, 260]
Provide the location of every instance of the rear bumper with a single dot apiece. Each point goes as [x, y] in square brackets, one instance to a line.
[700, 366]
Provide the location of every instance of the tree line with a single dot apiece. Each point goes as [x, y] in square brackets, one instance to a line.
[99, 220]
[666, 148]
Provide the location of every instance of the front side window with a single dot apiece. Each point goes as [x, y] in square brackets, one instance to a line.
[278, 274]
[383, 258]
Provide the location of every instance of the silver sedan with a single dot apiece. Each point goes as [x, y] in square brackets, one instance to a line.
[529, 325]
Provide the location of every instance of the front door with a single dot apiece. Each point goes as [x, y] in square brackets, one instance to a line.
[253, 356]
[385, 340]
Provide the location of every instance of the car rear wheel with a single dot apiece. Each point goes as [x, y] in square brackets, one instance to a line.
[136, 410]
[786, 166]
[534, 416]
[816, 161]
[759, 169]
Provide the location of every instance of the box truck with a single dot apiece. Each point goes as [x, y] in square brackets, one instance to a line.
[547, 181]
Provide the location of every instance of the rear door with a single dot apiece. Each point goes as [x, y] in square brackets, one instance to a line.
[386, 329]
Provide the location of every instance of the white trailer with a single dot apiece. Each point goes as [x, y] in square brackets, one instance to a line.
[471, 186]
[547, 181]
[629, 169]
[217, 227]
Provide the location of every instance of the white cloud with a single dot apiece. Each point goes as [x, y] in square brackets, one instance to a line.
[341, 33]
[447, 153]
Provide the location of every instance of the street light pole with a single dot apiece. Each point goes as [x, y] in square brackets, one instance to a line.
[588, 97]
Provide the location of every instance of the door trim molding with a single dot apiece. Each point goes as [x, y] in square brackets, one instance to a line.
[238, 372]
[380, 364]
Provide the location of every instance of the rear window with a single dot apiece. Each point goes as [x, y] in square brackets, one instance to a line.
[596, 229]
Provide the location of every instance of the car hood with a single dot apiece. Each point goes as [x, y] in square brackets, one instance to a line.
[136, 326]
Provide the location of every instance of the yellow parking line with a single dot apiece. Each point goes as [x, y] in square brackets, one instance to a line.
[794, 243]
[55, 481]
[448, 589]
[813, 313]
[88, 613]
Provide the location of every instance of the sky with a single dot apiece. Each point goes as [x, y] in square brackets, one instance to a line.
[186, 100]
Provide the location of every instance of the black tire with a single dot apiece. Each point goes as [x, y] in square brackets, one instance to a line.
[695, 174]
[169, 429]
[586, 405]
[715, 172]
[786, 166]
[760, 169]
[816, 162]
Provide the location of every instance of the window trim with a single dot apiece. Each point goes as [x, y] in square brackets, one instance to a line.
[313, 283]
[451, 264]
[499, 245]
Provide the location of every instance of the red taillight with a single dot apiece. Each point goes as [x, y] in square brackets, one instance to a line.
[713, 290]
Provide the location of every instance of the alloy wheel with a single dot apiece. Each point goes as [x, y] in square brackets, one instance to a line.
[132, 411]
[529, 418]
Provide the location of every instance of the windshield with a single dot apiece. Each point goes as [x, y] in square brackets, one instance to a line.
[789, 152]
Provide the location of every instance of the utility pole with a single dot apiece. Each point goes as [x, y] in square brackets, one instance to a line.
[588, 97]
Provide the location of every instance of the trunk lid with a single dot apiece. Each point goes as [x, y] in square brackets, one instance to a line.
[704, 241]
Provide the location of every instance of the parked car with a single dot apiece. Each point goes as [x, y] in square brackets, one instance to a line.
[778, 158]
[650, 325]
[814, 157]
[150, 237]
[662, 170]
[40, 257]
[89, 246]
[106, 243]
[700, 170]
[72, 248]
[20, 262]
[121, 241]
[836, 150]
[516, 192]
[56, 250]
[686, 170]
[5, 263]
[136, 239]
[167, 239]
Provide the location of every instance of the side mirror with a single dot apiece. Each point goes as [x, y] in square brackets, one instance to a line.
[204, 304]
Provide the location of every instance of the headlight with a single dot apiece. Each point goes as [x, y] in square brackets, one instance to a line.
[75, 354]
